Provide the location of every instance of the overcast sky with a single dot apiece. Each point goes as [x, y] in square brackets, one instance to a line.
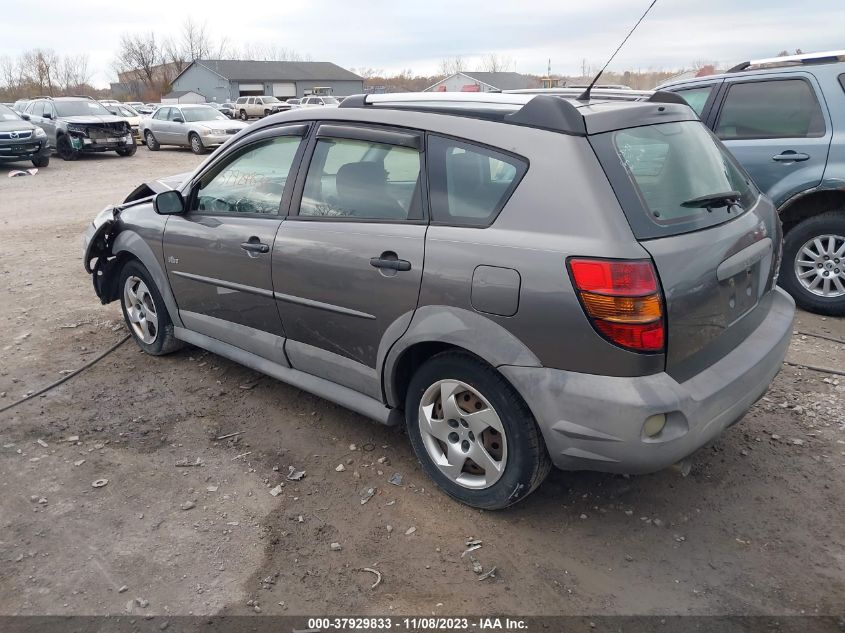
[397, 34]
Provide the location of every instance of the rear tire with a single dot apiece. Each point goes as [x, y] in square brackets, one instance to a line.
[65, 149]
[812, 248]
[41, 161]
[145, 312]
[152, 144]
[478, 439]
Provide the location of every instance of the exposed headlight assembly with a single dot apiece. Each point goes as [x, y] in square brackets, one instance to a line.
[39, 133]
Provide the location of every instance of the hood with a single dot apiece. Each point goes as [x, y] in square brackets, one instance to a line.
[89, 119]
[16, 125]
[153, 187]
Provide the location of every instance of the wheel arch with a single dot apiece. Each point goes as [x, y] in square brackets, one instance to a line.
[809, 204]
[436, 329]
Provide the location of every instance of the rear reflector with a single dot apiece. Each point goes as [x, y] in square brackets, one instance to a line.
[622, 300]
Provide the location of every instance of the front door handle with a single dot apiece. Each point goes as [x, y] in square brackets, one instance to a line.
[791, 156]
[254, 245]
[389, 261]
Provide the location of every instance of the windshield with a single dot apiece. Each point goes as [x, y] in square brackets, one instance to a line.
[204, 113]
[123, 110]
[7, 114]
[271, 100]
[684, 179]
[82, 107]
[330, 100]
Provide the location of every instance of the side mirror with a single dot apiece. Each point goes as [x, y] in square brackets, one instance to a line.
[169, 203]
[48, 115]
[24, 116]
[178, 120]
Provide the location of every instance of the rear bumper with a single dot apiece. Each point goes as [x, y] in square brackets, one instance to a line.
[593, 422]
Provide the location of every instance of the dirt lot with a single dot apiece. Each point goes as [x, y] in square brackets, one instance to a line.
[757, 527]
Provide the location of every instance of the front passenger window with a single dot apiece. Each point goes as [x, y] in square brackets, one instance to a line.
[253, 182]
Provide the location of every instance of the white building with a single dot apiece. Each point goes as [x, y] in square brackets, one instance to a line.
[467, 81]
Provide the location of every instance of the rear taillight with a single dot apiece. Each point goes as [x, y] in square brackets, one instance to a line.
[622, 299]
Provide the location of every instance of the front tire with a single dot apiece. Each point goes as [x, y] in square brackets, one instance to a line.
[65, 149]
[152, 144]
[244, 117]
[128, 150]
[196, 143]
[472, 432]
[813, 268]
[144, 311]
[41, 161]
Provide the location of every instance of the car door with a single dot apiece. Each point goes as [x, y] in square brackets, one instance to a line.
[779, 129]
[48, 122]
[35, 112]
[158, 124]
[177, 130]
[218, 253]
[348, 260]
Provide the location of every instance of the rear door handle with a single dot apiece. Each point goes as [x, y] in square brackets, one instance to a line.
[390, 263]
[791, 156]
[254, 245]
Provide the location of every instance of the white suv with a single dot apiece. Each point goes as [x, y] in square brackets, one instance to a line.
[311, 102]
[246, 107]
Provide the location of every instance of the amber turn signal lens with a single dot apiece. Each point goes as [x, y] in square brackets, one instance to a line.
[622, 309]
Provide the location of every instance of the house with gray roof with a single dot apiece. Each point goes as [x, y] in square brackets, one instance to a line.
[223, 80]
[467, 81]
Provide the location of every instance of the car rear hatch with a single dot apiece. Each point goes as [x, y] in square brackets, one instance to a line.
[714, 239]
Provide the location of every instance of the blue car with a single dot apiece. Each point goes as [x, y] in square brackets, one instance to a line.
[784, 120]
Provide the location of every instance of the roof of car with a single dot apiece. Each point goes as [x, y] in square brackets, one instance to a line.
[549, 112]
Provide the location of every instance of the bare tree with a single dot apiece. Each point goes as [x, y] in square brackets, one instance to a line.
[196, 43]
[73, 72]
[451, 65]
[9, 72]
[141, 56]
[493, 63]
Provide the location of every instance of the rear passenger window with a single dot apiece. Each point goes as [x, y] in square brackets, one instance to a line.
[842, 80]
[696, 97]
[470, 184]
[362, 180]
[783, 108]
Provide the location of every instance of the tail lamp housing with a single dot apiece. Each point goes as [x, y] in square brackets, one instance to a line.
[622, 300]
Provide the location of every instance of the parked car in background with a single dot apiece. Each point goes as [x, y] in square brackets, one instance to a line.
[252, 107]
[199, 127]
[77, 125]
[784, 120]
[21, 140]
[226, 108]
[618, 327]
[109, 101]
[313, 102]
[134, 104]
[128, 114]
[294, 103]
[20, 105]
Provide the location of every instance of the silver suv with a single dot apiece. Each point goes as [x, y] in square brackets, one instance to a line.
[521, 280]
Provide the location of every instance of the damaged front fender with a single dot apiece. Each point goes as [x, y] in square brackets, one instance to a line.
[98, 259]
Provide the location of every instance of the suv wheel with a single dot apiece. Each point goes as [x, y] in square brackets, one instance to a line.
[41, 161]
[144, 311]
[152, 143]
[128, 150]
[267, 113]
[473, 433]
[196, 143]
[244, 117]
[813, 269]
[65, 149]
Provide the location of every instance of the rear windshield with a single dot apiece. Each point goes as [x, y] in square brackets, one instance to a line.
[674, 178]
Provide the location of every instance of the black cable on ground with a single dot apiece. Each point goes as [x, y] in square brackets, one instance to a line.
[63, 379]
[824, 336]
[823, 370]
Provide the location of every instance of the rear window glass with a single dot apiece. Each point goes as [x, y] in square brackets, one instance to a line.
[783, 108]
[682, 177]
[470, 184]
[696, 97]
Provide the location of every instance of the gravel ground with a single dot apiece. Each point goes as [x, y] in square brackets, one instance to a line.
[188, 524]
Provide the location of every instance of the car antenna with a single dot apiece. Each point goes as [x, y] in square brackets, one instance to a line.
[585, 96]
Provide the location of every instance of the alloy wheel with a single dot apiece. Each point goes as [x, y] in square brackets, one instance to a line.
[463, 434]
[820, 266]
[140, 309]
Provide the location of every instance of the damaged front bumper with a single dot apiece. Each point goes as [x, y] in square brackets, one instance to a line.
[96, 251]
[97, 139]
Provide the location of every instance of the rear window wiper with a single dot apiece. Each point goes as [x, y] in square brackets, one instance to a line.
[714, 201]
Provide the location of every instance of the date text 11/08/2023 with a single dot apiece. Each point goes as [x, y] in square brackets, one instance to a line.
[417, 624]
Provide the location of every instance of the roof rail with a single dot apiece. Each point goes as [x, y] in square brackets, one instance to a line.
[41, 97]
[825, 57]
[548, 112]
